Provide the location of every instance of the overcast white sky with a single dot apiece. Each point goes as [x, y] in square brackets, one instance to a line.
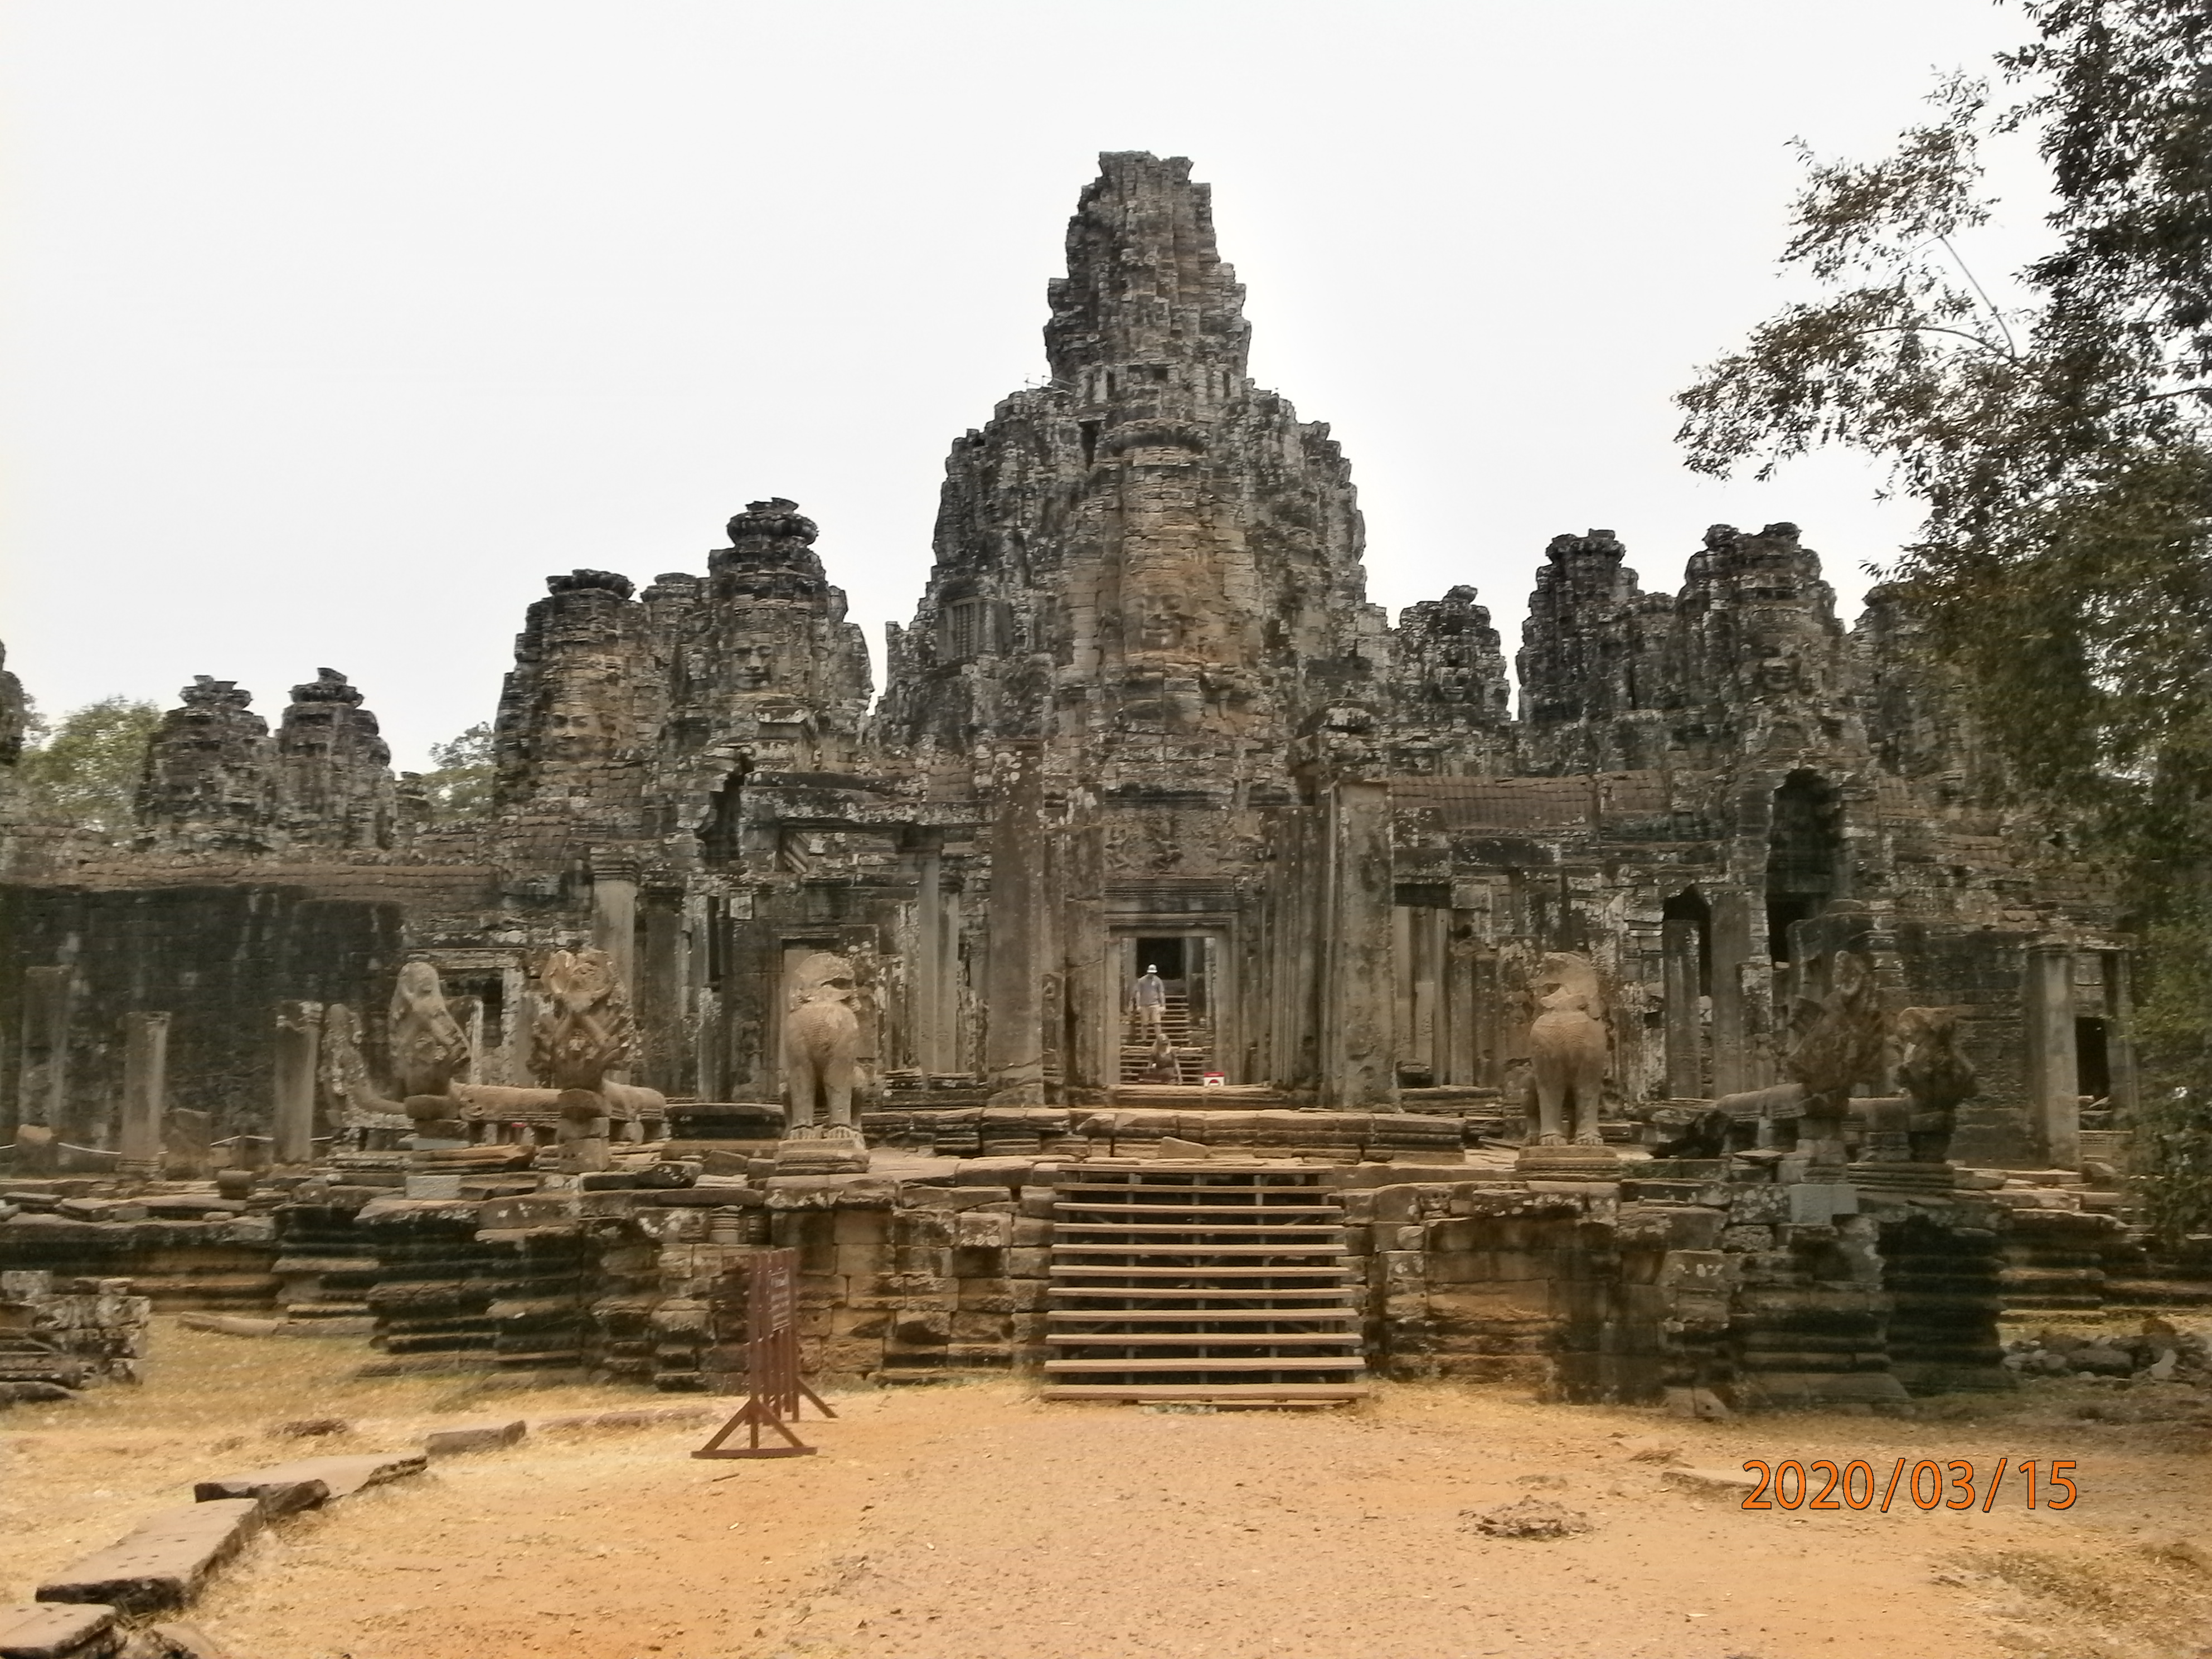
[330, 329]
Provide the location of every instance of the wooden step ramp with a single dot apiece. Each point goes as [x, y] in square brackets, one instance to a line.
[1205, 1283]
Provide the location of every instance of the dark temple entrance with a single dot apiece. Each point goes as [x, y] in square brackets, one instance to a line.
[1183, 961]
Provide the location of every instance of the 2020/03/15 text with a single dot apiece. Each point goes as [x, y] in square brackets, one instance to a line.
[1926, 1483]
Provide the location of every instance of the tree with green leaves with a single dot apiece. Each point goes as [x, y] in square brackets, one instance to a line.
[83, 770]
[458, 788]
[2060, 444]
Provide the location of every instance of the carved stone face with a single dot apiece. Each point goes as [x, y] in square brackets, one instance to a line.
[575, 731]
[1776, 674]
[752, 668]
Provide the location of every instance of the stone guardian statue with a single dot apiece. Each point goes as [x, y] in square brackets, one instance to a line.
[428, 1050]
[584, 1030]
[1568, 1055]
[821, 1052]
[1567, 1050]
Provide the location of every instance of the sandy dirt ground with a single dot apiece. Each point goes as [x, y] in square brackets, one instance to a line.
[974, 1521]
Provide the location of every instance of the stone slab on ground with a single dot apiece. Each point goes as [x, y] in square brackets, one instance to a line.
[162, 1562]
[175, 1641]
[278, 1496]
[340, 1477]
[1710, 1481]
[230, 1324]
[48, 1631]
[648, 1417]
[473, 1437]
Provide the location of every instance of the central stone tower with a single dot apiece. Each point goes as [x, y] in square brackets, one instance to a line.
[1150, 564]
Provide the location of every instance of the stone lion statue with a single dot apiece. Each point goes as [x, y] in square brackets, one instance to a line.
[820, 1041]
[584, 1029]
[1567, 1051]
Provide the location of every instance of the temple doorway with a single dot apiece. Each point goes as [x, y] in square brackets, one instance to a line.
[1168, 1001]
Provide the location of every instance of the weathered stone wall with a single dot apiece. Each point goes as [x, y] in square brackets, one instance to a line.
[73, 962]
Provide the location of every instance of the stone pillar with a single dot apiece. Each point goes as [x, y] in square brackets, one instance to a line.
[2120, 1034]
[49, 1001]
[1358, 1069]
[660, 994]
[925, 1002]
[1490, 1022]
[1733, 941]
[2054, 1081]
[145, 1093]
[614, 921]
[1461, 1009]
[1677, 947]
[1092, 994]
[299, 1045]
[1013, 1048]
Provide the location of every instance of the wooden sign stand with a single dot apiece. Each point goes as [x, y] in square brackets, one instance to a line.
[773, 1388]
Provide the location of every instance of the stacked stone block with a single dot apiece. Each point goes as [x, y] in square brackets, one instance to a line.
[97, 1325]
[434, 1282]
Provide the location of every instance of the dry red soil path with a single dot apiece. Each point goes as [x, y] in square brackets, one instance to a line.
[975, 1522]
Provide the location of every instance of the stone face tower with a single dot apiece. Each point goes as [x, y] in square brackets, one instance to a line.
[1151, 564]
[333, 771]
[206, 781]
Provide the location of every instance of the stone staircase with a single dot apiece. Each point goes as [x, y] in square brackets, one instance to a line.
[1201, 1283]
[1175, 1022]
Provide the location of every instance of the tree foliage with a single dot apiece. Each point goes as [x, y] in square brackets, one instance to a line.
[458, 788]
[2060, 444]
[83, 770]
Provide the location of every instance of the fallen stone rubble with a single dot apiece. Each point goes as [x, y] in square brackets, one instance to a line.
[2160, 1352]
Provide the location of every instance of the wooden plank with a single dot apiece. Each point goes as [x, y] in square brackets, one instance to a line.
[1232, 1228]
[1130, 1246]
[1201, 1391]
[1203, 1339]
[1211, 1316]
[1187, 1363]
[1091, 1268]
[1206, 1208]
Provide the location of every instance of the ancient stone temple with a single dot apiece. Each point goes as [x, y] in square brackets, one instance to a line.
[1144, 721]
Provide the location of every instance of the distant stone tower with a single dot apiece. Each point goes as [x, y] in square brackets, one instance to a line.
[332, 770]
[766, 680]
[206, 785]
[1453, 713]
[567, 735]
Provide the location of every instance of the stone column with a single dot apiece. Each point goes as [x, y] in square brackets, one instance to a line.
[145, 1093]
[1460, 993]
[1733, 941]
[925, 1004]
[49, 1001]
[1677, 947]
[1358, 1069]
[2119, 1033]
[299, 1044]
[1013, 1037]
[660, 994]
[614, 920]
[1092, 994]
[2054, 1081]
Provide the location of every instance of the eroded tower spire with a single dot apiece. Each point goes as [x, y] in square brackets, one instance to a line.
[1145, 285]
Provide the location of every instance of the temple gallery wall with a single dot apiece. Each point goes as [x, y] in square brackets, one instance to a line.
[1700, 1020]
